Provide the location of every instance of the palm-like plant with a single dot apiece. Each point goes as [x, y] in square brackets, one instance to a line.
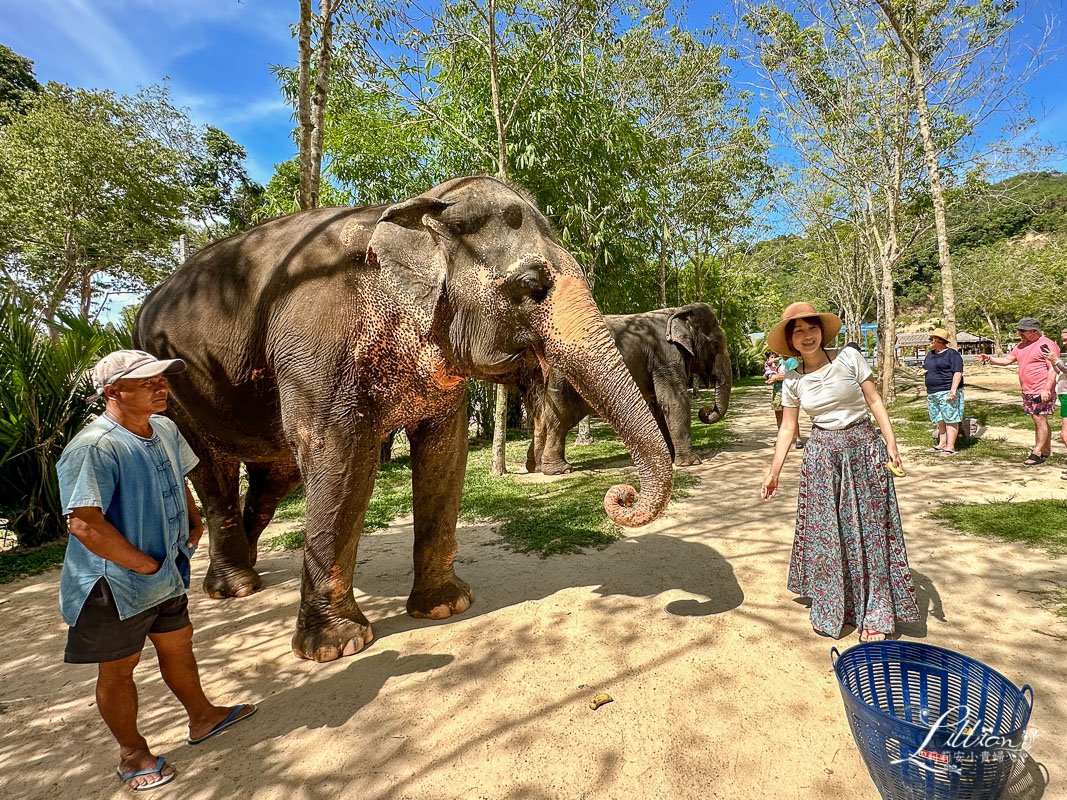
[44, 388]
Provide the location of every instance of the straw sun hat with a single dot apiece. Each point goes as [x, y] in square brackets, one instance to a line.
[941, 334]
[776, 340]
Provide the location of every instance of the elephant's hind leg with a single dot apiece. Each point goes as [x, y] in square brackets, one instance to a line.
[268, 484]
[438, 466]
[230, 572]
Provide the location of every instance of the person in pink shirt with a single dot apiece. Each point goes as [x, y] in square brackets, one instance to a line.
[1037, 378]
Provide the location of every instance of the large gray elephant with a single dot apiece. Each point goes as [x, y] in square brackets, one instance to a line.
[663, 350]
[311, 337]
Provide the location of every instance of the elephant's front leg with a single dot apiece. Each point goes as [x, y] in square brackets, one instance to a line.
[673, 400]
[438, 466]
[338, 466]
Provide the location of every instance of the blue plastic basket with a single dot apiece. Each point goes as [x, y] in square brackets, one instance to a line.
[896, 693]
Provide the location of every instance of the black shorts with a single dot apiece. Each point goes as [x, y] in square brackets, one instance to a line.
[99, 634]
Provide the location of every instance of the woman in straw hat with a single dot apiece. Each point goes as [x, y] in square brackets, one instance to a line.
[944, 390]
[848, 551]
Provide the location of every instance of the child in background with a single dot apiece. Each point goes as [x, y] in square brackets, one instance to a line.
[774, 373]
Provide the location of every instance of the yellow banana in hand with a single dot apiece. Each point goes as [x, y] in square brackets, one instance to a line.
[889, 465]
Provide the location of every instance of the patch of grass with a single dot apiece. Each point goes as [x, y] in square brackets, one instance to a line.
[911, 423]
[290, 540]
[550, 517]
[19, 563]
[985, 448]
[1041, 524]
[1007, 415]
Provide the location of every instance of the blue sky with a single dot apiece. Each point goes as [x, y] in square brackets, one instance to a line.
[216, 55]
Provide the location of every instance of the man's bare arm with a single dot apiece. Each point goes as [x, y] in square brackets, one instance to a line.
[196, 524]
[88, 526]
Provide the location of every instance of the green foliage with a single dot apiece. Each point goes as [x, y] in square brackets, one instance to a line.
[281, 195]
[21, 562]
[618, 123]
[90, 200]
[17, 84]
[224, 197]
[43, 390]
[1040, 524]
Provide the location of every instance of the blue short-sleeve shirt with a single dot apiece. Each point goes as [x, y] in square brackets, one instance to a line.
[139, 484]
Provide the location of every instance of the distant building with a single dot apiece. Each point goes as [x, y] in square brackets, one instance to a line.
[912, 347]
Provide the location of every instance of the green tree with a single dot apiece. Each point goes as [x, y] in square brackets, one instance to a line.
[18, 84]
[224, 197]
[90, 200]
[1013, 278]
[43, 392]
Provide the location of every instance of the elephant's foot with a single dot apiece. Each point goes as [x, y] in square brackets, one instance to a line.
[230, 581]
[532, 465]
[332, 640]
[556, 468]
[687, 460]
[438, 602]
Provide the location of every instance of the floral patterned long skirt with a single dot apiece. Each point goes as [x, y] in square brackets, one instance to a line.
[848, 551]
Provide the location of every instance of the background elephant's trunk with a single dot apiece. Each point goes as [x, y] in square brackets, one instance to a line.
[723, 384]
[578, 344]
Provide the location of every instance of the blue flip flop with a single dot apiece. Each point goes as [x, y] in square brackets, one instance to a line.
[163, 779]
[232, 719]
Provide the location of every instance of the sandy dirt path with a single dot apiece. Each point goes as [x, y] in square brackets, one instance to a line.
[721, 689]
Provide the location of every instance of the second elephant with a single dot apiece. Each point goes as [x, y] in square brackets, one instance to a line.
[663, 350]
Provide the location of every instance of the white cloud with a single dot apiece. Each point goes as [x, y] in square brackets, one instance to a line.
[119, 61]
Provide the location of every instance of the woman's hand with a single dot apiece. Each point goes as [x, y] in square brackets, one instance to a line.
[894, 455]
[770, 486]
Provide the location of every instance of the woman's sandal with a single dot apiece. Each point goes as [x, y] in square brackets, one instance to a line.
[1034, 459]
[873, 636]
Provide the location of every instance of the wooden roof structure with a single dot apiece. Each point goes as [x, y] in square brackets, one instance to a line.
[922, 339]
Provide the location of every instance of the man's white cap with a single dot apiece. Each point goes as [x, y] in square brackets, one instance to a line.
[132, 364]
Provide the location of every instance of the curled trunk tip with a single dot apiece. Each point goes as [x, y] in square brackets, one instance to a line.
[619, 505]
[709, 415]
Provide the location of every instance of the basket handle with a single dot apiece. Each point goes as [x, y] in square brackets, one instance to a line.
[1029, 689]
[834, 655]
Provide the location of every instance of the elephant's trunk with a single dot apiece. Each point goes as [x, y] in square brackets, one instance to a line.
[578, 344]
[723, 384]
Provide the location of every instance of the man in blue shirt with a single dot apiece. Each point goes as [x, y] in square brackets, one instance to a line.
[944, 390]
[134, 527]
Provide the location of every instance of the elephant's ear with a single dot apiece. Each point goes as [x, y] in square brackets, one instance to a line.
[411, 247]
[680, 332]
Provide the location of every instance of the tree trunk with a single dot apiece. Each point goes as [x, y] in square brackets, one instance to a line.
[585, 433]
[663, 266]
[386, 454]
[944, 256]
[500, 413]
[70, 269]
[304, 103]
[998, 348]
[889, 365]
[320, 97]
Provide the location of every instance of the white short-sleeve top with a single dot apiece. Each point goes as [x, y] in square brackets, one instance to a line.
[830, 395]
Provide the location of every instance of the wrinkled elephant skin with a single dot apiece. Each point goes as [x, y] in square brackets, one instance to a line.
[312, 337]
[663, 350]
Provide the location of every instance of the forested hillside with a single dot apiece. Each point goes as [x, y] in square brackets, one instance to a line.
[1009, 240]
